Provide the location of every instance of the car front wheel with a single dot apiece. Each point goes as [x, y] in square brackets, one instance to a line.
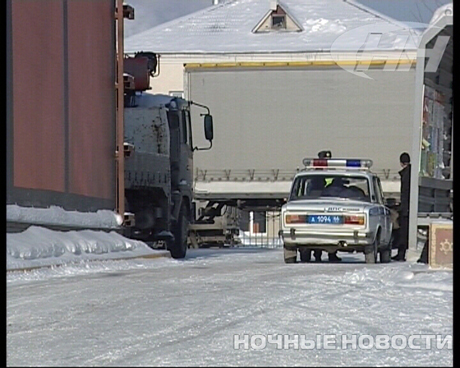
[385, 255]
[371, 251]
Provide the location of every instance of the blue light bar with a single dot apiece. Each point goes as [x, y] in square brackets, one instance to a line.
[353, 163]
[337, 163]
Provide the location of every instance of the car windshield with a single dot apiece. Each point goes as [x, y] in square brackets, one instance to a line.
[329, 185]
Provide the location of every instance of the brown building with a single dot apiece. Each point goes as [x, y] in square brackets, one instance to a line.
[61, 96]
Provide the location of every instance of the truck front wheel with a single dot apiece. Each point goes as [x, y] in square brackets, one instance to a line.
[178, 247]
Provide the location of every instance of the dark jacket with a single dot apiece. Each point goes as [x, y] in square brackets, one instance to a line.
[405, 191]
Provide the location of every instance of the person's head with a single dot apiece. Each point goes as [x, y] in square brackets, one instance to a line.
[324, 154]
[404, 159]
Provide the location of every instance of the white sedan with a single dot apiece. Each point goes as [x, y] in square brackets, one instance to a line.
[336, 205]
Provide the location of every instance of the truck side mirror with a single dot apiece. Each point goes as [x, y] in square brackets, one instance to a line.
[208, 127]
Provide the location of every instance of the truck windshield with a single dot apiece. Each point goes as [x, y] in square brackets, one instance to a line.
[339, 186]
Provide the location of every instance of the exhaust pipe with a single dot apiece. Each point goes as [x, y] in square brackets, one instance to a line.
[343, 243]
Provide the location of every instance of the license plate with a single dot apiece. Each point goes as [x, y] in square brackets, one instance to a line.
[325, 219]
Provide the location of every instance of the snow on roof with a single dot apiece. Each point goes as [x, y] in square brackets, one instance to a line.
[148, 100]
[447, 9]
[406, 11]
[227, 28]
[149, 13]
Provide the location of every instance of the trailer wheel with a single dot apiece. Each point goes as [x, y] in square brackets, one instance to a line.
[178, 248]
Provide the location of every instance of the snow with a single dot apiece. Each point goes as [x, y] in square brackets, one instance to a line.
[227, 28]
[40, 247]
[410, 11]
[55, 215]
[149, 13]
[166, 312]
[446, 10]
[149, 100]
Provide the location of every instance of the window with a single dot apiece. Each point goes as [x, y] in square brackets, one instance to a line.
[315, 186]
[279, 21]
[378, 190]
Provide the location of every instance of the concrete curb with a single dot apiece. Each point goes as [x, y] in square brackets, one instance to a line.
[165, 254]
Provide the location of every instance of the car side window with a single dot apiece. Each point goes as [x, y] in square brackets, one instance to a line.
[378, 190]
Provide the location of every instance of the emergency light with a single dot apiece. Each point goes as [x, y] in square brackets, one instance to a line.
[337, 163]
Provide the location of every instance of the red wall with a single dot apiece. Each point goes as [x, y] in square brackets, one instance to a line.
[37, 31]
[63, 103]
[91, 63]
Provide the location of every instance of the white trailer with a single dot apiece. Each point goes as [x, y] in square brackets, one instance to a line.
[271, 115]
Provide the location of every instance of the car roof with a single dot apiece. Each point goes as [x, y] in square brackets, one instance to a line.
[336, 172]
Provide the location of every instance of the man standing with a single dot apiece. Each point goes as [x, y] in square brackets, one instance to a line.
[404, 160]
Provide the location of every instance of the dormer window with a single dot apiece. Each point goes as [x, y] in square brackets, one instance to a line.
[279, 21]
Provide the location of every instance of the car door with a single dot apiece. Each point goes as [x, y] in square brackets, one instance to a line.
[385, 218]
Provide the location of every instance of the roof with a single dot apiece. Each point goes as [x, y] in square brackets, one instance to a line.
[443, 11]
[227, 28]
[406, 11]
[150, 13]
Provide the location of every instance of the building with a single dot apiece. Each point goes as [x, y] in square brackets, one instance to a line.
[294, 69]
[61, 106]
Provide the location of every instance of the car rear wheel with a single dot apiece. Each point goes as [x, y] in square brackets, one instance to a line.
[371, 251]
[290, 256]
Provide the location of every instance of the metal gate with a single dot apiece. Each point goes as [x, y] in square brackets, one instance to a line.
[260, 229]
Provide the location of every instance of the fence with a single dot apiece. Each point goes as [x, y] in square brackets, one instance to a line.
[260, 229]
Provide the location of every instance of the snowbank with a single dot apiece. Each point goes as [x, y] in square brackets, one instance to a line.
[38, 247]
[103, 219]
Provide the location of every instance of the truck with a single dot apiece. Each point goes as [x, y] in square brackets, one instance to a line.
[273, 114]
[216, 223]
[158, 167]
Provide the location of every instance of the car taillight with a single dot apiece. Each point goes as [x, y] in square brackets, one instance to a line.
[296, 219]
[354, 219]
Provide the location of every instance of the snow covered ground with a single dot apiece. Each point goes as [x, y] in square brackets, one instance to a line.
[221, 307]
[38, 247]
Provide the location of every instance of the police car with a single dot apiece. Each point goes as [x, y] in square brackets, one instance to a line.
[336, 205]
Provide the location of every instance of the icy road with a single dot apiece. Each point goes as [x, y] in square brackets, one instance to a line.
[229, 307]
